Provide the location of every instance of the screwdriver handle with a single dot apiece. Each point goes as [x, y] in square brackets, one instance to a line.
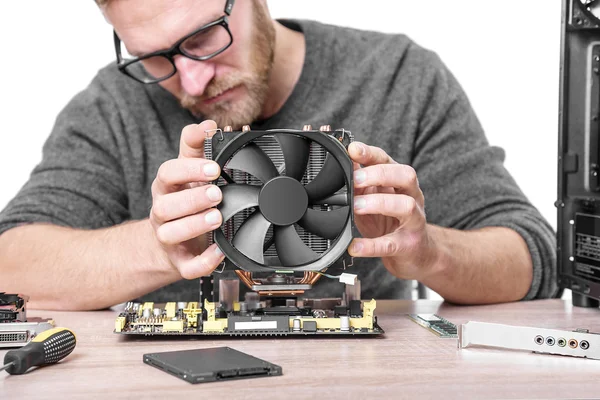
[48, 347]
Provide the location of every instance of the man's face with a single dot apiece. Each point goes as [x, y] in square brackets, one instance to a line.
[230, 88]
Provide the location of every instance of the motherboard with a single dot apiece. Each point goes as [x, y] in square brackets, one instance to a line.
[250, 317]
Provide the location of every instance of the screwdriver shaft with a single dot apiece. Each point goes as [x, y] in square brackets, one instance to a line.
[7, 366]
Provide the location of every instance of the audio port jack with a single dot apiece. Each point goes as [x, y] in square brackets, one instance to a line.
[573, 343]
[550, 341]
[538, 339]
[584, 345]
[561, 342]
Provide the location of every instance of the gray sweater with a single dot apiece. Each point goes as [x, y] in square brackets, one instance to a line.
[107, 144]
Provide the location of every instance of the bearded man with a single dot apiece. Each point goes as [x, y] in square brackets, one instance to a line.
[120, 206]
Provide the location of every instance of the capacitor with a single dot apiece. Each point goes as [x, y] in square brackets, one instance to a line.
[157, 312]
[253, 299]
[181, 305]
[243, 307]
[146, 313]
[296, 326]
[344, 323]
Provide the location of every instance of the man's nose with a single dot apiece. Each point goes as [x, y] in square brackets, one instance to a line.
[194, 75]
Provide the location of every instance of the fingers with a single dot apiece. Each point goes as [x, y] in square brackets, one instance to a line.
[174, 173]
[182, 207]
[203, 264]
[190, 227]
[368, 155]
[399, 176]
[176, 205]
[191, 144]
[402, 207]
[385, 246]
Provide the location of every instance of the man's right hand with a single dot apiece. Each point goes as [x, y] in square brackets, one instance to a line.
[183, 205]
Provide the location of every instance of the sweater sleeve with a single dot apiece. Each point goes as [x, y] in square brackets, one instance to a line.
[79, 181]
[465, 183]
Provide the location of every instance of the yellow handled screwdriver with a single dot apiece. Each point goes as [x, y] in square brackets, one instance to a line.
[48, 347]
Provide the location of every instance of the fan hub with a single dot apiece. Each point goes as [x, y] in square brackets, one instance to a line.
[283, 200]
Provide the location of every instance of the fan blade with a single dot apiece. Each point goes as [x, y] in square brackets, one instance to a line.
[340, 199]
[291, 250]
[328, 181]
[250, 237]
[253, 160]
[327, 224]
[295, 153]
[237, 198]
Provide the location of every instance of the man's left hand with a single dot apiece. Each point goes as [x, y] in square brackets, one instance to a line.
[389, 209]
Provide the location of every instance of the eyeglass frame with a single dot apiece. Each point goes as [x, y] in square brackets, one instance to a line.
[175, 49]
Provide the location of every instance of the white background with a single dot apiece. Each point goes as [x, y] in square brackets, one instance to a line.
[505, 54]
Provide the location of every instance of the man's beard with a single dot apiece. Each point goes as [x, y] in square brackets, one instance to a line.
[256, 82]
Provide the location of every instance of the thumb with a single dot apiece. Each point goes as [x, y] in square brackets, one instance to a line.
[191, 144]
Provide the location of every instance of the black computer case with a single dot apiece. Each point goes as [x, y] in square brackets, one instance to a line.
[578, 202]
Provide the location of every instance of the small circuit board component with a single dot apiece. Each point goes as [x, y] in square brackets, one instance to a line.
[251, 317]
[436, 324]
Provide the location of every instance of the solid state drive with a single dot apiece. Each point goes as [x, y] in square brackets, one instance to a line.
[211, 365]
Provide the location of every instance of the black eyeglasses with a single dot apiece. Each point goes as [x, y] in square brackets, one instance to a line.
[203, 44]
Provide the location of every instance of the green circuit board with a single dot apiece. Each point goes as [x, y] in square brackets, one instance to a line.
[436, 324]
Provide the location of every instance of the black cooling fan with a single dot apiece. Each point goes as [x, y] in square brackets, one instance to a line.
[281, 200]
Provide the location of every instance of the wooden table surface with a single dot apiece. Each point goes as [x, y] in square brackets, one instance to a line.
[408, 362]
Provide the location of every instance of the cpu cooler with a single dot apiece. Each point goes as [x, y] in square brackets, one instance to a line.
[287, 203]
